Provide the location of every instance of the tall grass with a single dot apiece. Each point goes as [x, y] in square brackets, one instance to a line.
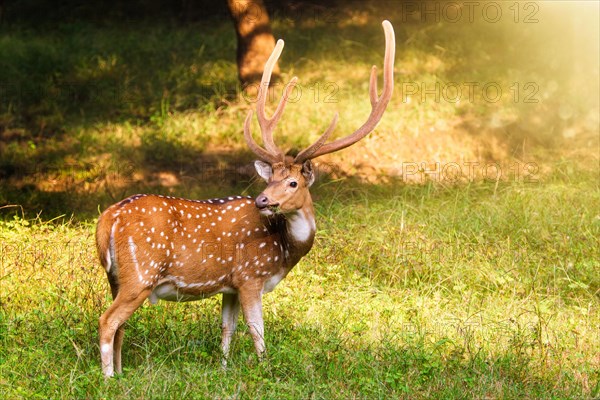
[409, 292]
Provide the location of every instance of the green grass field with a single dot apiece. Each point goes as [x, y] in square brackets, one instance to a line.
[416, 292]
[457, 252]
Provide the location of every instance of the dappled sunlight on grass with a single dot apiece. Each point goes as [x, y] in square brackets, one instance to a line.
[175, 95]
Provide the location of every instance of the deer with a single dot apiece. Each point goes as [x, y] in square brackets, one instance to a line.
[166, 248]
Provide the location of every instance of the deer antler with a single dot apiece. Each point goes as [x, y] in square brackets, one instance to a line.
[272, 152]
[378, 105]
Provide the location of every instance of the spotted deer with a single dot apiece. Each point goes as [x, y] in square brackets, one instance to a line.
[159, 247]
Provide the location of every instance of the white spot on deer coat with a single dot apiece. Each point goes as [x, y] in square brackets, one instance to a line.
[132, 250]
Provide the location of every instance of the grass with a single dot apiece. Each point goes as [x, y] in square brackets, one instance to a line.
[460, 293]
[430, 277]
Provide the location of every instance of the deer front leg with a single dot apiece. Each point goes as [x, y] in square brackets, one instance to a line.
[251, 300]
[230, 310]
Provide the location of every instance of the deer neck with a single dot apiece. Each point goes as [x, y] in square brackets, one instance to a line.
[298, 233]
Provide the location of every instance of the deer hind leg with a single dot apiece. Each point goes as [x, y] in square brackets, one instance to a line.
[229, 313]
[111, 329]
[251, 301]
[118, 343]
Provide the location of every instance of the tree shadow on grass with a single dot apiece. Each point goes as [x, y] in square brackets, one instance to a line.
[79, 74]
[80, 192]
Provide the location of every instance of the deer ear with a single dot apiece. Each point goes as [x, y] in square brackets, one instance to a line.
[308, 173]
[263, 169]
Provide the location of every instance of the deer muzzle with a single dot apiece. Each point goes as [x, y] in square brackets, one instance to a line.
[262, 201]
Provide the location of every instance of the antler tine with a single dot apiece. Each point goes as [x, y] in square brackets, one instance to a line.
[378, 103]
[268, 124]
[259, 151]
[373, 86]
[272, 153]
[307, 153]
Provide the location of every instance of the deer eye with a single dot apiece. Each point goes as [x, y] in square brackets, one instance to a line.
[293, 184]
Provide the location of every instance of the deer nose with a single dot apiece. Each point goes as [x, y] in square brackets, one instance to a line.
[261, 201]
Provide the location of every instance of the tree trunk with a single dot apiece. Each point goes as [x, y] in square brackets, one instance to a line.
[255, 39]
